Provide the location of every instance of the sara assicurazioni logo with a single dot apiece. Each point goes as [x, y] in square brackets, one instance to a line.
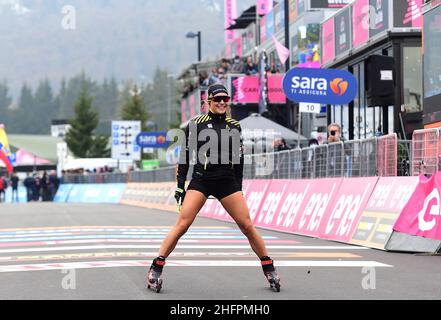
[325, 86]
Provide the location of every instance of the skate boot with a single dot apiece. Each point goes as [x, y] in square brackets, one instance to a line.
[154, 280]
[270, 273]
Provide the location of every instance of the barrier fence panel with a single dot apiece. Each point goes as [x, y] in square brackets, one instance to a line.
[425, 158]
[384, 156]
[404, 160]
[387, 156]
[308, 159]
[321, 161]
[368, 161]
[335, 160]
[352, 161]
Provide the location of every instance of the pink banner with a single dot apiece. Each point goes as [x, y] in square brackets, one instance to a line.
[230, 14]
[328, 41]
[214, 209]
[263, 29]
[310, 64]
[245, 90]
[239, 47]
[281, 205]
[360, 22]
[392, 194]
[317, 207]
[184, 110]
[191, 102]
[422, 214]
[255, 194]
[275, 90]
[264, 6]
[344, 214]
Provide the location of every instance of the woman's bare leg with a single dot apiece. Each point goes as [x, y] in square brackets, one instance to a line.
[236, 206]
[193, 202]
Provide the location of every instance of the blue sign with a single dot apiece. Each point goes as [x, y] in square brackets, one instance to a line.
[152, 140]
[324, 86]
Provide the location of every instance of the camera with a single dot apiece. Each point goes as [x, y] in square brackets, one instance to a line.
[333, 133]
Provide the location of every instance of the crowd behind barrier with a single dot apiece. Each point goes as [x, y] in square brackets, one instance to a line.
[384, 156]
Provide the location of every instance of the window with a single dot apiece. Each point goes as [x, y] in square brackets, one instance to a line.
[413, 79]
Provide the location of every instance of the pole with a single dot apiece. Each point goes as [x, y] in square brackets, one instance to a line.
[199, 46]
[300, 127]
[169, 101]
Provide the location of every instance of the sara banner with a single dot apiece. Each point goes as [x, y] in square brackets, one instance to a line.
[422, 214]
[324, 86]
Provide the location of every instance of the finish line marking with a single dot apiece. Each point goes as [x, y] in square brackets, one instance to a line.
[276, 247]
[151, 255]
[188, 263]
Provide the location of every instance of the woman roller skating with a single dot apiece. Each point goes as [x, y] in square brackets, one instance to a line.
[216, 173]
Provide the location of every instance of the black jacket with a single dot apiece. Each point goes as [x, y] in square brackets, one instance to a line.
[211, 163]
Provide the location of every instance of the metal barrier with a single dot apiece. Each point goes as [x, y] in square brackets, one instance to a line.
[383, 156]
[426, 151]
[387, 156]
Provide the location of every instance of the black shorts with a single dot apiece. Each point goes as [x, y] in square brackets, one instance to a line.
[219, 189]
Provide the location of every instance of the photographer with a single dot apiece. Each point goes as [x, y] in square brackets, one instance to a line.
[334, 133]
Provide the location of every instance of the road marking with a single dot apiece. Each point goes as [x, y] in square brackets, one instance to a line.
[270, 247]
[125, 228]
[126, 237]
[101, 255]
[69, 242]
[188, 263]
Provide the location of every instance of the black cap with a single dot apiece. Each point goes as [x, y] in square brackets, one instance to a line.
[216, 89]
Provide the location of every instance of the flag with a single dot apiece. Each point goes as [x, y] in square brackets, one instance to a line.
[264, 7]
[5, 152]
[282, 51]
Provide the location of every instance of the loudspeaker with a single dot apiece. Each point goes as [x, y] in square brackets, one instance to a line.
[380, 81]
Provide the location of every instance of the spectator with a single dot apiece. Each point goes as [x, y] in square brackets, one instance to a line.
[334, 133]
[238, 65]
[250, 67]
[280, 145]
[203, 79]
[44, 185]
[214, 77]
[3, 185]
[14, 184]
[54, 184]
[225, 65]
[36, 188]
[28, 183]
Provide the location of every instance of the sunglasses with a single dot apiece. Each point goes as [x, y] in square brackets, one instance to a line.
[226, 99]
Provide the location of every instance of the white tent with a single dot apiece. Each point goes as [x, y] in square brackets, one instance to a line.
[256, 127]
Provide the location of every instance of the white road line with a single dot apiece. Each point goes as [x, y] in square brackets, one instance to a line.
[187, 263]
[80, 248]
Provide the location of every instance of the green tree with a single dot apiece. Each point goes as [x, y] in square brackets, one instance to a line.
[5, 102]
[135, 109]
[79, 138]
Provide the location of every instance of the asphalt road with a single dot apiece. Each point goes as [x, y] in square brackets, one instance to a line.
[69, 252]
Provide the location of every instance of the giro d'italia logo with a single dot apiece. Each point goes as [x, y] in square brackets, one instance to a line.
[324, 86]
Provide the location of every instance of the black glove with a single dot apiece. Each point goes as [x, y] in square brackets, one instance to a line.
[180, 195]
